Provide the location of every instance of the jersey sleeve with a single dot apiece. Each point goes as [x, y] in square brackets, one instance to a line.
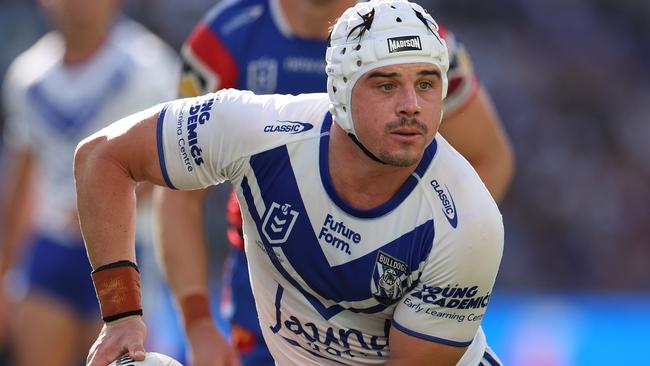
[208, 65]
[205, 140]
[449, 301]
[463, 82]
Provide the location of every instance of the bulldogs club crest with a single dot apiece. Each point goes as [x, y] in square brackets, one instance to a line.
[278, 222]
[390, 279]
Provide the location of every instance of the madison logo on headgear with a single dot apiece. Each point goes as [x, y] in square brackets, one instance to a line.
[278, 222]
[390, 279]
[406, 43]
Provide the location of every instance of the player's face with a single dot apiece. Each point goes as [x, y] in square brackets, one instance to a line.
[81, 15]
[396, 111]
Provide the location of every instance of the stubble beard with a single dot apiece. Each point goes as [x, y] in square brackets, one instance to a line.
[404, 157]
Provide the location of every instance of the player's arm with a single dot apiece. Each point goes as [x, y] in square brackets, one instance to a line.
[180, 239]
[477, 133]
[17, 187]
[180, 243]
[406, 350]
[17, 201]
[107, 167]
[439, 319]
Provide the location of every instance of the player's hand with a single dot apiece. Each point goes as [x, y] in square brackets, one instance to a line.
[118, 338]
[209, 347]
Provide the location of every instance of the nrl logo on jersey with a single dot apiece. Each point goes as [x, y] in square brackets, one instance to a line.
[390, 279]
[278, 222]
[407, 43]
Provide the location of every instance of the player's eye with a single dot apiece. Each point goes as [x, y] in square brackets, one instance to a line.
[424, 85]
[387, 87]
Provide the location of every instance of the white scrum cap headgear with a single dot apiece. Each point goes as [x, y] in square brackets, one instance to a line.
[375, 34]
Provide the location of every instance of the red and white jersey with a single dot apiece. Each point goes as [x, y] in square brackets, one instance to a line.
[330, 279]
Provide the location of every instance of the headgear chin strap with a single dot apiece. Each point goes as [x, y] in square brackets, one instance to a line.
[375, 34]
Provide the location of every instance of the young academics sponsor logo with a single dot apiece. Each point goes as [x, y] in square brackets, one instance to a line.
[448, 205]
[406, 43]
[188, 144]
[292, 127]
[390, 279]
[452, 297]
[278, 222]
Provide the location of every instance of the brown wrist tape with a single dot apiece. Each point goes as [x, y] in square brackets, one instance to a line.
[195, 307]
[118, 290]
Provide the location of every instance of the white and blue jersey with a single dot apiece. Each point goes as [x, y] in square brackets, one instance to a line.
[248, 44]
[330, 280]
[50, 107]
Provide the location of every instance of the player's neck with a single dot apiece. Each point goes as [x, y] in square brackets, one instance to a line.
[360, 181]
[311, 19]
[81, 46]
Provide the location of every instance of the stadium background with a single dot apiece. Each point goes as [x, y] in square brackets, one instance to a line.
[571, 80]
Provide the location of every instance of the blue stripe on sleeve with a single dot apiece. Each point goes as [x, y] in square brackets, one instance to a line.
[161, 152]
[430, 338]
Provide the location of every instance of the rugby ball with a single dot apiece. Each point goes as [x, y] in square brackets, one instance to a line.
[150, 359]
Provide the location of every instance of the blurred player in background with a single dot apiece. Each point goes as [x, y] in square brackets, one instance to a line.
[278, 46]
[95, 68]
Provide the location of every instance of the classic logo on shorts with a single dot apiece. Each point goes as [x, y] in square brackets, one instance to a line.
[407, 43]
[292, 127]
[278, 222]
[390, 279]
[448, 205]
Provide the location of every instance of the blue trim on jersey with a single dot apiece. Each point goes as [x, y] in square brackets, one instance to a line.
[384, 208]
[161, 150]
[278, 186]
[430, 338]
[327, 123]
[325, 312]
[72, 119]
[488, 357]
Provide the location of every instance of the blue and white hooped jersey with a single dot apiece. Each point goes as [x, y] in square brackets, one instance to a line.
[330, 280]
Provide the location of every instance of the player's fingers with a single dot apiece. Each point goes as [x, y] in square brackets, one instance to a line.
[136, 351]
[235, 360]
[99, 358]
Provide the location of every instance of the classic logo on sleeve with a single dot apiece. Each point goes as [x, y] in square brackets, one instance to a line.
[292, 127]
[390, 279]
[448, 205]
[278, 222]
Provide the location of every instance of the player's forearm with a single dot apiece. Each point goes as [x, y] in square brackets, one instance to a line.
[496, 171]
[180, 241]
[16, 211]
[106, 204]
